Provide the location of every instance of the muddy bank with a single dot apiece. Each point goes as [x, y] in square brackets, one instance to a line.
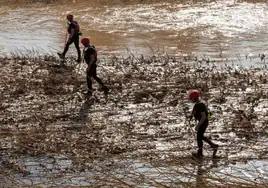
[47, 123]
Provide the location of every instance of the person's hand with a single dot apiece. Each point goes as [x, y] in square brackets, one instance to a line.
[190, 117]
[197, 127]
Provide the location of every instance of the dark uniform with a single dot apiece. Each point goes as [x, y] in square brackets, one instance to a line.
[92, 72]
[75, 39]
[198, 108]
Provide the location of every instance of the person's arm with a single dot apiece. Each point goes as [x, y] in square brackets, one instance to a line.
[192, 115]
[70, 35]
[83, 53]
[92, 59]
[202, 120]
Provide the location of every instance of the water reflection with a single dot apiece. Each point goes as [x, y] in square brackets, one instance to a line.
[202, 175]
[60, 170]
[212, 28]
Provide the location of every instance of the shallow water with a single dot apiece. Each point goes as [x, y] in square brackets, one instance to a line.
[46, 172]
[218, 29]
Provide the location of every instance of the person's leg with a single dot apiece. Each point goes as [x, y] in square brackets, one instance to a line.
[201, 138]
[76, 43]
[94, 75]
[66, 48]
[206, 139]
[98, 80]
[212, 145]
[200, 135]
[89, 81]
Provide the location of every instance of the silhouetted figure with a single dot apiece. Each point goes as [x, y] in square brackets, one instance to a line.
[90, 56]
[73, 37]
[200, 112]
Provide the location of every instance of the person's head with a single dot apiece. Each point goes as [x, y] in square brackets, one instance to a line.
[85, 42]
[70, 17]
[194, 96]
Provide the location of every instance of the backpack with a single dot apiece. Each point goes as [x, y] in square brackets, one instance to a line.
[77, 27]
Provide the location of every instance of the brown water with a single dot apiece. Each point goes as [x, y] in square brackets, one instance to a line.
[223, 28]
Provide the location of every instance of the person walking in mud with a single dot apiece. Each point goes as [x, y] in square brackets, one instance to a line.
[201, 114]
[90, 57]
[73, 31]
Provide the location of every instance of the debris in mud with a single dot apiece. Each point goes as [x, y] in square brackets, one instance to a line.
[43, 112]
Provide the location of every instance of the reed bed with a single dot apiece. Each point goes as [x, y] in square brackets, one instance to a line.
[52, 135]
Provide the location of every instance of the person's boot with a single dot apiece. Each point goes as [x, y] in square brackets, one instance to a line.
[215, 149]
[106, 90]
[61, 55]
[89, 93]
[79, 60]
[198, 154]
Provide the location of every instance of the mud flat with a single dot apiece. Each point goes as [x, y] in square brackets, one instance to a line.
[52, 135]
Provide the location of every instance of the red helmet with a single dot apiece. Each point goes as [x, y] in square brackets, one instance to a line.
[70, 17]
[85, 41]
[194, 95]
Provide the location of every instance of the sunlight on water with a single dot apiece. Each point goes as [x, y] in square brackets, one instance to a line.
[255, 170]
[201, 28]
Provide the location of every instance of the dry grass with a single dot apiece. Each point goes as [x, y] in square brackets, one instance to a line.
[44, 115]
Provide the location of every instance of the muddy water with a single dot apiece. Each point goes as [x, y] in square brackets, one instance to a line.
[252, 171]
[224, 28]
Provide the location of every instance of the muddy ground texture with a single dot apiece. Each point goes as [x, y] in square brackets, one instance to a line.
[45, 115]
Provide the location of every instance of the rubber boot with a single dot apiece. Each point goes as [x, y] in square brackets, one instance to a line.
[215, 149]
[78, 60]
[106, 90]
[198, 154]
[61, 55]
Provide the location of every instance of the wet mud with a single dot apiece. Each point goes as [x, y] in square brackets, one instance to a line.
[49, 128]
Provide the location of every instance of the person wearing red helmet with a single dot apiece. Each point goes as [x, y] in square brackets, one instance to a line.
[74, 33]
[201, 114]
[90, 56]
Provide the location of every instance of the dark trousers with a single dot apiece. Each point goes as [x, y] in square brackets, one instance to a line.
[92, 73]
[75, 40]
[201, 138]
